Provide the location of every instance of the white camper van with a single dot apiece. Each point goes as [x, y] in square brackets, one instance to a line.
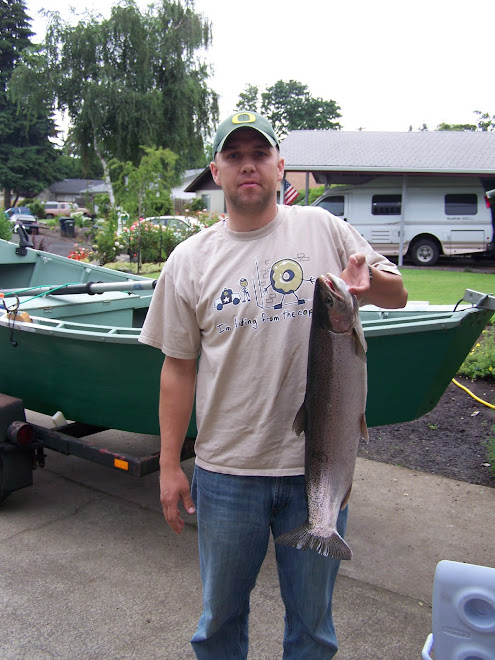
[438, 215]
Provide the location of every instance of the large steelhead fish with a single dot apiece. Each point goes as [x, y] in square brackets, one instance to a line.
[332, 416]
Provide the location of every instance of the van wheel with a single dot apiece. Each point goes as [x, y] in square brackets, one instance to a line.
[49, 216]
[425, 252]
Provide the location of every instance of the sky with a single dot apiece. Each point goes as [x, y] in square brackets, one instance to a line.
[388, 64]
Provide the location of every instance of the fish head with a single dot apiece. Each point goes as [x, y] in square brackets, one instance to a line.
[334, 307]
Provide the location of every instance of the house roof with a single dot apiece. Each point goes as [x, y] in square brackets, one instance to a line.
[353, 156]
[74, 186]
[429, 152]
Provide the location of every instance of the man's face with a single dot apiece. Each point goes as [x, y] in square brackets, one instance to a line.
[248, 170]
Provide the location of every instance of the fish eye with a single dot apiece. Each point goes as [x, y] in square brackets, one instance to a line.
[329, 301]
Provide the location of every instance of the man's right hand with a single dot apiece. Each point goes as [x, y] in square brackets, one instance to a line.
[174, 486]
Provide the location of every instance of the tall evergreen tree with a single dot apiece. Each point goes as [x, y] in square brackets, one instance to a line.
[27, 157]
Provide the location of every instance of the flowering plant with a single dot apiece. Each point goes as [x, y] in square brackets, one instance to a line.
[80, 254]
[150, 241]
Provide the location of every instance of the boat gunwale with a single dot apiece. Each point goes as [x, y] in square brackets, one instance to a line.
[418, 322]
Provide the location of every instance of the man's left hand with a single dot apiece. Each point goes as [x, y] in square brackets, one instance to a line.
[356, 276]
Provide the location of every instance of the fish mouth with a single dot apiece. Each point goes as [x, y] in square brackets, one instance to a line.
[330, 282]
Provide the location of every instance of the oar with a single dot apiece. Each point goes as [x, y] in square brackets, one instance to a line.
[88, 287]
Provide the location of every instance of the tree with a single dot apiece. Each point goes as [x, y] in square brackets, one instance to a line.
[249, 99]
[484, 123]
[130, 81]
[456, 127]
[145, 190]
[289, 106]
[27, 157]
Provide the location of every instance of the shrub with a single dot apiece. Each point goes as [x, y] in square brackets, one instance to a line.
[102, 205]
[193, 206]
[105, 246]
[36, 207]
[480, 362]
[145, 241]
[5, 227]
[149, 242]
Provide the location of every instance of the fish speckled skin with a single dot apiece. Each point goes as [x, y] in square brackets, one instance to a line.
[332, 416]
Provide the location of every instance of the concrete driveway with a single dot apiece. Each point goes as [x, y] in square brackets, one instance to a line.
[89, 568]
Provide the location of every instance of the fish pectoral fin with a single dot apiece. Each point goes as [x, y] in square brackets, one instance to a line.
[346, 499]
[299, 422]
[364, 429]
[360, 343]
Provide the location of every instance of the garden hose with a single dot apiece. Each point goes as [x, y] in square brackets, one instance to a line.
[485, 403]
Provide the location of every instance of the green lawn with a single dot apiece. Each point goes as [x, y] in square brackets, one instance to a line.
[442, 287]
[438, 287]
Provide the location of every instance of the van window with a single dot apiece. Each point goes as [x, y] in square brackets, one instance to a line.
[334, 204]
[461, 204]
[386, 204]
[51, 205]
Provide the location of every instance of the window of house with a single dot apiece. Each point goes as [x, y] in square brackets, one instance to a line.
[206, 201]
[386, 204]
[334, 204]
[461, 204]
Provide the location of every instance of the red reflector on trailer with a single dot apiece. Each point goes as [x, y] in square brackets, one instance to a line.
[21, 433]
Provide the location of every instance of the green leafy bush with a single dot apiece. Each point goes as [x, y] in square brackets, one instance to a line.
[313, 195]
[5, 227]
[146, 241]
[105, 242]
[102, 203]
[36, 207]
[480, 362]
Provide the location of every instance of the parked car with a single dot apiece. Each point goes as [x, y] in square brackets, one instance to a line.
[27, 220]
[180, 222]
[16, 210]
[65, 209]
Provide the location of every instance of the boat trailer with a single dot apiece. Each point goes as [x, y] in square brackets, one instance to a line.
[23, 444]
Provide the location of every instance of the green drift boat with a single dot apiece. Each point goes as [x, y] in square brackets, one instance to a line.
[79, 353]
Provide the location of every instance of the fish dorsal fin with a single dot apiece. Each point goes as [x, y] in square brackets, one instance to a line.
[299, 422]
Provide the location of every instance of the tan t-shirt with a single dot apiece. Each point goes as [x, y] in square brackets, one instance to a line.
[243, 300]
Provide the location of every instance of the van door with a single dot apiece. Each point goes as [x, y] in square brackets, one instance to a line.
[464, 215]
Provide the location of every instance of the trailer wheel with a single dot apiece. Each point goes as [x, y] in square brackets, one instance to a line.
[425, 252]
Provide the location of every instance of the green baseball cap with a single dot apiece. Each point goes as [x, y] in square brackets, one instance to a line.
[244, 119]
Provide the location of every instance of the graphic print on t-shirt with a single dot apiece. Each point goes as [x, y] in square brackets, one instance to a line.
[285, 279]
[278, 285]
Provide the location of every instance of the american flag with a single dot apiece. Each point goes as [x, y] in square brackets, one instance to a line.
[290, 193]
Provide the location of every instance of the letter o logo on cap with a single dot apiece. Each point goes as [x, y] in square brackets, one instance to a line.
[243, 118]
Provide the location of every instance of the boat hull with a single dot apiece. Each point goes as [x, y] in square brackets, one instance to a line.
[81, 355]
[102, 375]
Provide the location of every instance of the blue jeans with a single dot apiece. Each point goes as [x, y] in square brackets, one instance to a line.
[235, 515]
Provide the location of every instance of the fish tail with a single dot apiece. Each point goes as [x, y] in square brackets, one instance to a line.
[302, 538]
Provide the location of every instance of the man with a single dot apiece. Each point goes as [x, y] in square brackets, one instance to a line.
[249, 473]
